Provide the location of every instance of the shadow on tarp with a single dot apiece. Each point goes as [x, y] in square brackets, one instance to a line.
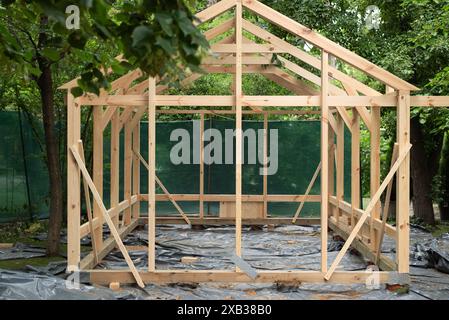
[293, 247]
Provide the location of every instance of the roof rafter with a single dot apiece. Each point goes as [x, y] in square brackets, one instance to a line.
[322, 42]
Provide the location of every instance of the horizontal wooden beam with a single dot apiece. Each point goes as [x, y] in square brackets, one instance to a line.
[217, 221]
[227, 101]
[246, 48]
[231, 198]
[230, 112]
[104, 277]
[429, 101]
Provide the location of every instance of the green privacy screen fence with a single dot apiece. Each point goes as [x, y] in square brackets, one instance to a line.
[298, 157]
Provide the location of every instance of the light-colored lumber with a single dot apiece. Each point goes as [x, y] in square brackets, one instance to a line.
[429, 101]
[106, 217]
[238, 129]
[98, 169]
[355, 164]
[309, 188]
[201, 185]
[246, 48]
[114, 286]
[151, 174]
[403, 183]
[220, 29]
[367, 212]
[386, 209]
[164, 189]
[112, 212]
[375, 169]
[324, 156]
[185, 276]
[214, 10]
[307, 58]
[127, 177]
[340, 163]
[136, 171]
[189, 260]
[88, 205]
[108, 245]
[115, 162]
[321, 42]
[265, 164]
[247, 100]
[385, 263]
[73, 186]
[231, 198]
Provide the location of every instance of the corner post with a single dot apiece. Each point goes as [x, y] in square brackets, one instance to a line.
[151, 174]
[73, 185]
[324, 156]
[403, 183]
[238, 129]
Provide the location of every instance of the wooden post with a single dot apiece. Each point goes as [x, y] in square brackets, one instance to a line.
[403, 183]
[324, 156]
[355, 165]
[201, 166]
[115, 162]
[238, 129]
[136, 170]
[128, 172]
[98, 170]
[265, 164]
[151, 174]
[340, 167]
[73, 186]
[375, 171]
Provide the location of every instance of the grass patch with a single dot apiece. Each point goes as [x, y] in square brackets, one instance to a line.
[19, 264]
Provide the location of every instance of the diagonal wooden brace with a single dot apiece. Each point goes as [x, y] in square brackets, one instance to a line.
[106, 217]
[369, 208]
[170, 197]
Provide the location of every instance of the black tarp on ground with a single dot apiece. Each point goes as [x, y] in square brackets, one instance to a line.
[284, 247]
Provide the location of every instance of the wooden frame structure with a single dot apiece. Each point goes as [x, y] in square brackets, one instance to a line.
[343, 102]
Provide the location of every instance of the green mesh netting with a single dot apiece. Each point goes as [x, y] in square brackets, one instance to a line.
[298, 151]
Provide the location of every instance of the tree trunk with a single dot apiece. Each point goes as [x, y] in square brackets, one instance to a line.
[444, 174]
[421, 175]
[45, 83]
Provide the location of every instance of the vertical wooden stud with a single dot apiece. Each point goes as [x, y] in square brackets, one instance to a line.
[136, 170]
[238, 128]
[265, 164]
[115, 162]
[127, 172]
[98, 169]
[355, 164]
[403, 183]
[151, 174]
[73, 185]
[340, 167]
[324, 156]
[201, 166]
[375, 171]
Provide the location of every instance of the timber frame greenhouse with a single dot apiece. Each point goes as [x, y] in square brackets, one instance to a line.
[341, 101]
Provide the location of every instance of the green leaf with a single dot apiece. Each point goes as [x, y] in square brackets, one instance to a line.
[51, 54]
[165, 44]
[165, 21]
[77, 92]
[141, 34]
